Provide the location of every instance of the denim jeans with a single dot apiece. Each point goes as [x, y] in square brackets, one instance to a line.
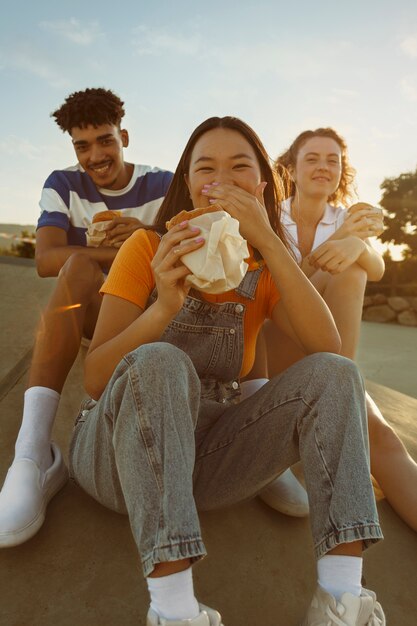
[169, 436]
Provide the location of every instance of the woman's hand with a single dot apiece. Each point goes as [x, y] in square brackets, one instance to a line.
[168, 270]
[248, 209]
[336, 255]
[363, 221]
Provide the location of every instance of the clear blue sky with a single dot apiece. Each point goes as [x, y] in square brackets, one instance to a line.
[281, 67]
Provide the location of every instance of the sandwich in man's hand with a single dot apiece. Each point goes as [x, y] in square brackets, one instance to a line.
[96, 232]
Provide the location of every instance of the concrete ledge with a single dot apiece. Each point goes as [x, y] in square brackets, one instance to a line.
[82, 567]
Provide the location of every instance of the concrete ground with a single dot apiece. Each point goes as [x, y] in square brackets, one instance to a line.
[82, 568]
[388, 355]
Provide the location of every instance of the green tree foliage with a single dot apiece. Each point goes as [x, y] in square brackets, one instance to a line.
[399, 199]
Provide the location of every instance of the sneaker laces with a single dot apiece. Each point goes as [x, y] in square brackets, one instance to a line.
[376, 619]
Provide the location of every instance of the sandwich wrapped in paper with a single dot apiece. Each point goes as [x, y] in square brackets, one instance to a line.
[96, 232]
[219, 265]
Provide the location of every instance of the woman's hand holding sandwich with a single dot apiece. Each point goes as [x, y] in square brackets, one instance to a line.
[248, 209]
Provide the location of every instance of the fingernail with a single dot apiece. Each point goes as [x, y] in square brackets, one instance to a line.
[212, 201]
[215, 184]
[184, 223]
[199, 239]
[204, 191]
[194, 229]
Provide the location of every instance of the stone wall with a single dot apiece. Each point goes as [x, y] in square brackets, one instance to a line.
[380, 308]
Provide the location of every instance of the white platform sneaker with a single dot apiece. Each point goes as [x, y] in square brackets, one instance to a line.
[325, 610]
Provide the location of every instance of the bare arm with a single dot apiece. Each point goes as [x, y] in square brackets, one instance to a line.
[372, 262]
[301, 312]
[123, 326]
[350, 244]
[52, 250]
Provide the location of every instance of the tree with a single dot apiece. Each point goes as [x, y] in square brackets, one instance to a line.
[399, 199]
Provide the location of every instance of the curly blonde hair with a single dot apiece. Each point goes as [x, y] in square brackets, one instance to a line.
[346, 191]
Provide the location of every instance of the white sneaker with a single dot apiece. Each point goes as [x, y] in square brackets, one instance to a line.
[350, 611]
[25, 496]
[286, 495]
[207, 617]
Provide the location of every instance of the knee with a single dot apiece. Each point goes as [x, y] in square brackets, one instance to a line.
[336, 378]
[161, 361]
[353, 278]
[331, 365]
[82, 274]
[162, 380]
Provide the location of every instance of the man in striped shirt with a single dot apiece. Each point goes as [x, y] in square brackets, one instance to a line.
[101, 180]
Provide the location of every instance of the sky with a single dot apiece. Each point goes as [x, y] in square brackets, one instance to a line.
[282, 67]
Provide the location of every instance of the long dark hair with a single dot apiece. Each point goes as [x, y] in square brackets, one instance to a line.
[178, 196]
[346, 190]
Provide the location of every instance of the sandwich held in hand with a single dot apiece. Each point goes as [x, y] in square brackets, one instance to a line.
[219, 265]
[96, 232]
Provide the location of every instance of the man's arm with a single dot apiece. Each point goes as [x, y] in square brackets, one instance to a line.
[52, 251]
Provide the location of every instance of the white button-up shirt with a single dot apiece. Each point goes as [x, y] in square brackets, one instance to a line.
[332, 219]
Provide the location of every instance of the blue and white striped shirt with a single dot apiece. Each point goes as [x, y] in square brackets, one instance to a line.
[70, 199]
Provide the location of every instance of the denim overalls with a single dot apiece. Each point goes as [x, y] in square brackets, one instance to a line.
[169, 435]
[212, 336]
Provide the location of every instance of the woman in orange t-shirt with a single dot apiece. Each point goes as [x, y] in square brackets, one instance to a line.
[167, 433]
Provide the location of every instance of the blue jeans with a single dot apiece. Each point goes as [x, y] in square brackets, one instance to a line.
[161, 444]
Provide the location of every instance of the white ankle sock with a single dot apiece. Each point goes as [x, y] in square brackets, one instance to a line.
[338, 574]
[172, 597]
[34, 438]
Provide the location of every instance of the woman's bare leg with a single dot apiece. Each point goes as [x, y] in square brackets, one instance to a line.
[344, 294]
[391, 465]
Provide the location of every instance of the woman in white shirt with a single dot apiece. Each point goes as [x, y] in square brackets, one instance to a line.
[332, 246]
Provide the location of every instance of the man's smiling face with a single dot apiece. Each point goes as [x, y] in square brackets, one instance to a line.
[99, 151]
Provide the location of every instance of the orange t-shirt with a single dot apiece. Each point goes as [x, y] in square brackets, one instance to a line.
[131, 278]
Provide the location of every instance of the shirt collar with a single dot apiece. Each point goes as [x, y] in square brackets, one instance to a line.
[329, 216]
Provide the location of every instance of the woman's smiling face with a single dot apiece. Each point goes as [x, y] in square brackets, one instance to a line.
[223, 156]
[318, 167]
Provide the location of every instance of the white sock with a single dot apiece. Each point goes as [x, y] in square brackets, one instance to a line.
[34, 438]
[172, 597]
[338, 574]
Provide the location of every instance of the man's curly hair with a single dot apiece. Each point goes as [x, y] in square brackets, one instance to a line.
[90, 107]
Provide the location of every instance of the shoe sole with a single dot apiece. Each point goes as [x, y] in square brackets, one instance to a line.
[12, 539]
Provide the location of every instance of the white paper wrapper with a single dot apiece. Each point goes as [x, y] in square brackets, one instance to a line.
[96, 233]
[219, 265]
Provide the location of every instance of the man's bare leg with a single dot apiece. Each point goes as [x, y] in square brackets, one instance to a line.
[38, 470]
[73, 305]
